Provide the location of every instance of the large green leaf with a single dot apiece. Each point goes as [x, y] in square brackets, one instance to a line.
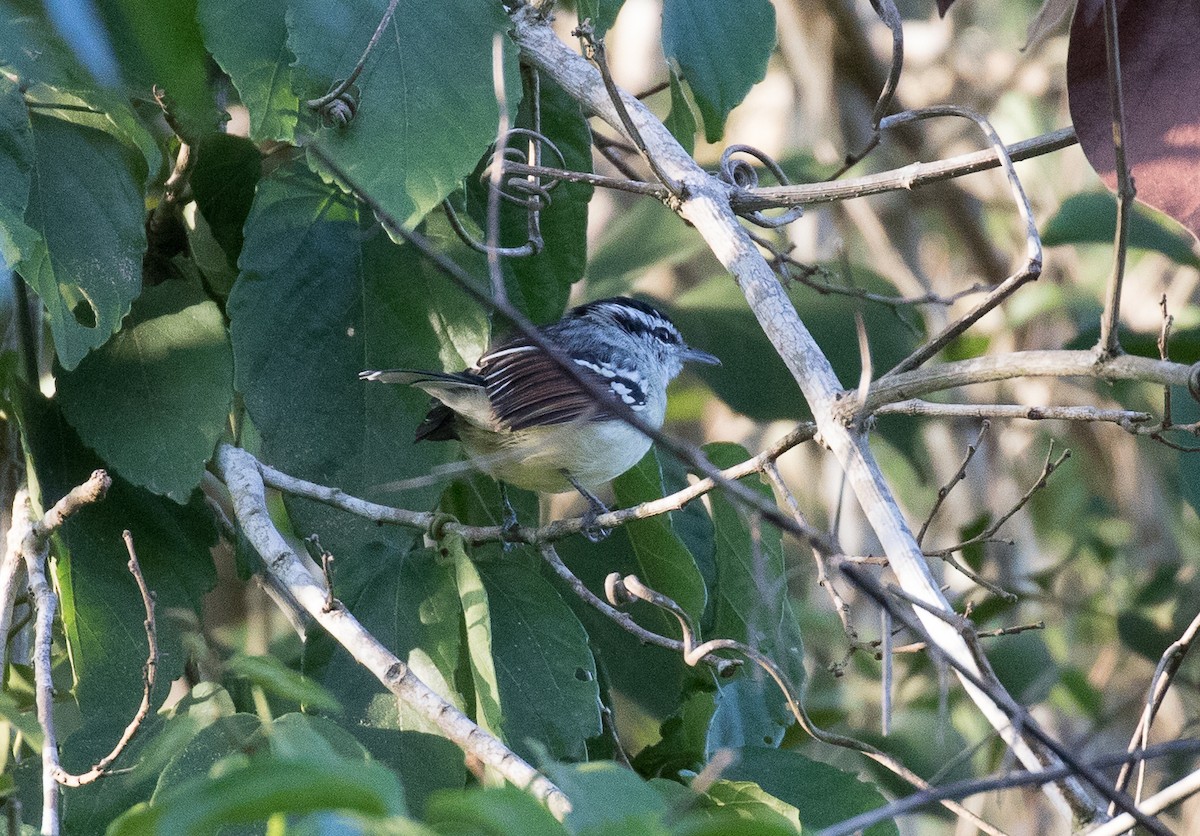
[261, 787]
[101, 609]
[223, 180]
[248, 38]
[86, 204]
[322, 295]
[427, 113]
[158, 44]
[154, 400]
[681, 122]
[608, 799]
[49, 74]
[1091, 218]
[823, 795]
[666, 564]
[752, 606]
[476, 608]
[16, 165]
[722, 49]
[492, 811]
[546, 673]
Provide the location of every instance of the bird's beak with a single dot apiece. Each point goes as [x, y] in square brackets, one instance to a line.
[697, 356]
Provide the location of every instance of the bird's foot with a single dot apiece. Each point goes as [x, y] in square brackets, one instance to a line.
[509, 525]
[596, 508]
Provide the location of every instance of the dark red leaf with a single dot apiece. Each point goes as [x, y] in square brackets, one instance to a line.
[1160, 78]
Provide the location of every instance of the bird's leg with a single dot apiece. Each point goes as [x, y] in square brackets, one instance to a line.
[595, 509]
[510, 524]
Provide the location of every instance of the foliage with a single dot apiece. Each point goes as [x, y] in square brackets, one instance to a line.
[241, 307]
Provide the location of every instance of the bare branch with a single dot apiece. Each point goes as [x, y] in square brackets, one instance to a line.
[241, 474]
[148, 673]
[1164, 674]
[959, 475]
[1125, 419]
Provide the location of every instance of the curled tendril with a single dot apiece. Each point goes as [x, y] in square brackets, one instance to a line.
[742, 175]
[522, 189]
[340, 110]
[530, 191]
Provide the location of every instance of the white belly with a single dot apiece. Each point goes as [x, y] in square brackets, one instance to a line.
[593, 453]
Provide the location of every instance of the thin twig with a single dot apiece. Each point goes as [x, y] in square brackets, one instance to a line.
[341, 87]
[623, 590]
[976, 786]
[595, 51]
[771, 471]
[148, 674]
[906, 178]
[723, 667]
[1109, 342]
[959, 475]
[1051, 464]
[1018, 716]
[1030, 269]
[1164, 674]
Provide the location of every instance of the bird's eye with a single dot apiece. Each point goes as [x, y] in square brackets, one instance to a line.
[665, 335]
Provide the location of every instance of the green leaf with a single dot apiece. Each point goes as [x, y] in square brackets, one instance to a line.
[225, 736]
[606, 798]
[680, 121]
[722, 50]
[546, 673]
[425, 763]
[411, 606]
[158, 44]
[427, 113]
[322, 295]
[602, 13]
[223, 180]
[16, 165]
[248, 39]
[476, 614]
[496, 810]
[101, 608]
[255, 790]
[823, 795]
[666, 564]
[747, 800]
[1091, 218]
[276, 678]
[752, 602]
[156, 397]
[86, 204]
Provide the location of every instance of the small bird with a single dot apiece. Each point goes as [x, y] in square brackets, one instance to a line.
[526, 422]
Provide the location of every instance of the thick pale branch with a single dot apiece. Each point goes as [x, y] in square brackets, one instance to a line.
[990, 368]
[240, 472]
[706, 205]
